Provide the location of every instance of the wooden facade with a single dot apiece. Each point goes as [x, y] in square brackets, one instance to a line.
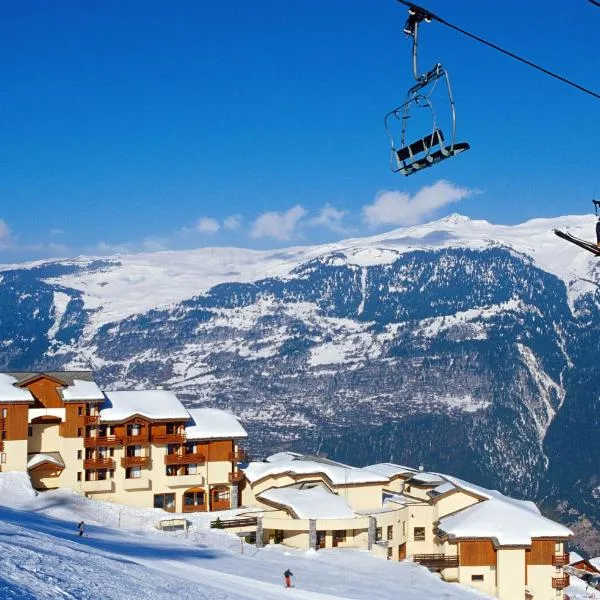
[476, 553]
[15, 421]
[541, 552]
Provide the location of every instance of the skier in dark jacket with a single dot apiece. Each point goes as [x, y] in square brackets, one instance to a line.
[80, 528]
[598, 232]
[288, 578]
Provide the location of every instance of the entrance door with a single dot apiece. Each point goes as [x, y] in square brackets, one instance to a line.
[402, 552]
[320, 539]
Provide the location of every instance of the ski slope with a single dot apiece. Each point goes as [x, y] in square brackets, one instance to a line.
[42, 557]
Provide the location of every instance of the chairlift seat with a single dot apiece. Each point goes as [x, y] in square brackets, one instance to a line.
[432, 159]
[423, 145]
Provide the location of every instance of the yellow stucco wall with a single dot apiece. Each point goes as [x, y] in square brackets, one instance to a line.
[510, 564]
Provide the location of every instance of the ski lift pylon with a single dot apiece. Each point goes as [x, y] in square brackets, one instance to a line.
[408, 158]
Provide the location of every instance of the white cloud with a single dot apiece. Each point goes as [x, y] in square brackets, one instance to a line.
[5, 237]
[232, 222]
[330, 217]
[207, 225]
[400, 208]
[281, 226]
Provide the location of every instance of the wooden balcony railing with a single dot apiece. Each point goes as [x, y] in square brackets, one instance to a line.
[90, 419]
[228, 523]
[1, 446]
[99, 463]
[560, 583]
[168, 438]
[135, 461]
[560, 560]
[220, 504]
[238, 456]
[110, 441]
[436, 561]
[137, 440]
[2, 423]
[184, 459]
[236, 477]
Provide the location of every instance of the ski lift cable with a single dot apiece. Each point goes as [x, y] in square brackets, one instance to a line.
[434, 17]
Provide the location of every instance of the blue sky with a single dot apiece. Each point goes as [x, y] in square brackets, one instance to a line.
[129, 125]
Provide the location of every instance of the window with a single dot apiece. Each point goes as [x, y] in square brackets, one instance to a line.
[404, 528]
[4, 413]
[133, 430]
[190, 447]
[389, 553]
[29, 431]
[79, 476]
[195, 499]
[171, 470]
[3, 436]
[419, 534]
[191, 469]
[79, 454]
[379, 534]
[3, 457]
[101, 475]
[102, 452]
[220, 494]
[80, 410]
[165, 501]
[476, 577]
[339, 535]
[79, 432]
[134, 450]
[111, 452]
[390, 532]
[133, 473]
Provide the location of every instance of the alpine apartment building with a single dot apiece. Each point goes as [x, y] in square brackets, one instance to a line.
[141, 448]
[468, 534]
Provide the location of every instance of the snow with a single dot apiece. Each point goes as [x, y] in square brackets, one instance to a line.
[313, 503]
[82, 390]
[152, 404]
[508, 521]
[213, 423]
[10, 393]
[426, 478]
[390, 469]
[134, 283]
[38, 459]
[61, 301]
[443, 489]
[337, 473]
[123, 557]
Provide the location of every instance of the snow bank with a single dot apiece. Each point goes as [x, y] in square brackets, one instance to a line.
[15, 489]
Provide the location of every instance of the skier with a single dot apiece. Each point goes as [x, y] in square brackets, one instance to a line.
[598, 232]
[80, 528]
[288, 578]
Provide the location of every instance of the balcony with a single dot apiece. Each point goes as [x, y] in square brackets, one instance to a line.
[90, 419]
[139, 483]
[560, 560]
[174, 481]
[184, 459]
[436, 562]
[168, 438]
[238, 456]
[2, 423]
[136, 461]
[109, 441]
[99, 485]
[99, 463]
[235, 477]
[136, 440]
[1, 446]
[560, 583]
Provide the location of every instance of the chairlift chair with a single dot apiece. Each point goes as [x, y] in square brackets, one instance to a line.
[408, 158]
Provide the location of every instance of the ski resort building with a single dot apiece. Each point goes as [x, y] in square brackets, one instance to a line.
[468, 534]
[141, 448]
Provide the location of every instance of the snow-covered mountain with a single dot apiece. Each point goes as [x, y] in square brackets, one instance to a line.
[467, 346]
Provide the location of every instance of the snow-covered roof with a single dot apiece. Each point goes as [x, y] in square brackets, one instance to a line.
[10, 393]
[390, 469]
[152, 404]
[595, 562]
[49, 457]
[313, 503]
[213, 423]
[337, 473]
[444, 488]
[574, 557]
[396, 498]
[508, 521]
[82, 390]
[283, 456]
[425, 478]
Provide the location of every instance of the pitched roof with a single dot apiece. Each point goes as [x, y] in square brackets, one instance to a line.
[68, 377]
[54, 458]
[156, 405]
[213, 423]
[9, 392]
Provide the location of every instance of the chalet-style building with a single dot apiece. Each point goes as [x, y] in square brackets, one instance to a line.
[471, 535]
[141, 448]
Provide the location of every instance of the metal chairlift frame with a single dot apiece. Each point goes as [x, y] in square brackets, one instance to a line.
[405, 159]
